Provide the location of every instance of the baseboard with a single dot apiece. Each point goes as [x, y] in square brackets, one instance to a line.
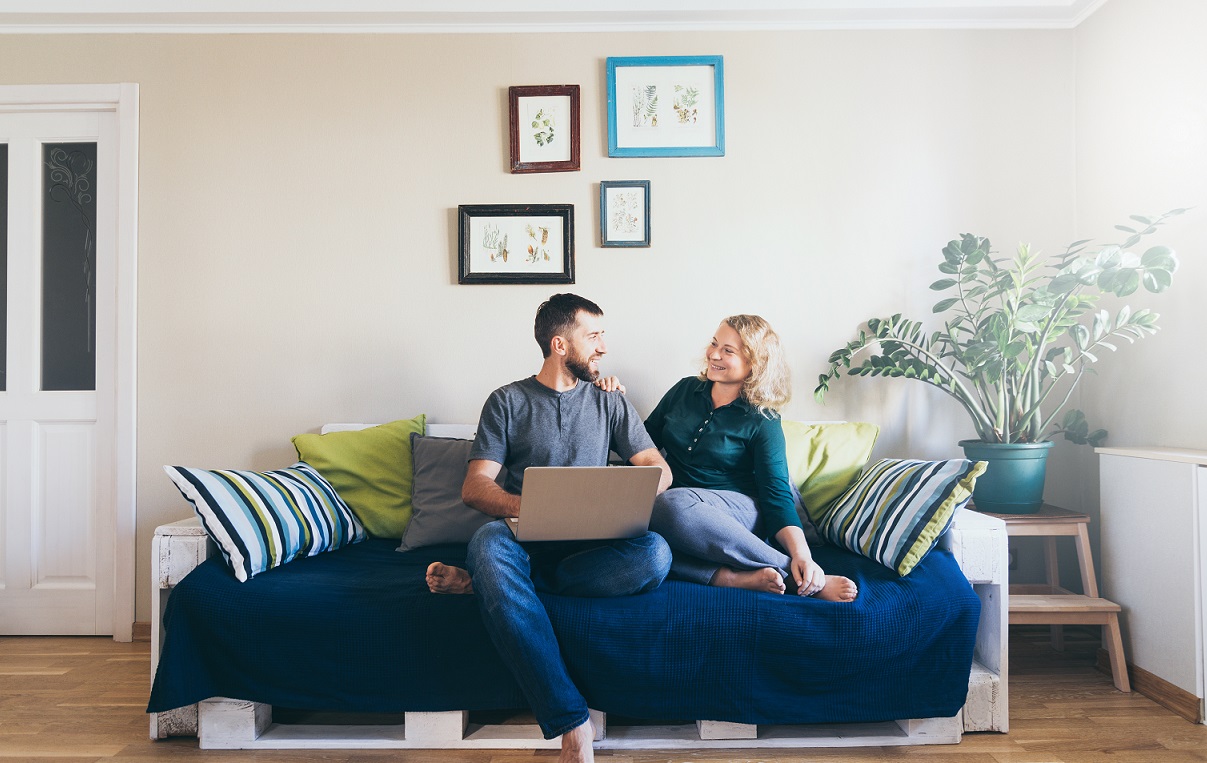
[1165, 694]
[141, 632]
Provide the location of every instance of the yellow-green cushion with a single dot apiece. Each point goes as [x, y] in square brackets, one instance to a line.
[824, 459]
[370, 469]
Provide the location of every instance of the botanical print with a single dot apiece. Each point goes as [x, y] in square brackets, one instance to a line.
[625, 220]
[494, 243]
[543, 125]
[686, 98]
[645, 106]
[517, 244]
[538, 240]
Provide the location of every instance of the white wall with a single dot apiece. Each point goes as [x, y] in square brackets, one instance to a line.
[1141, 149]
[297, 221]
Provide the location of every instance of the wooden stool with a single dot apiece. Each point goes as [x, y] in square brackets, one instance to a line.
[1049, 604]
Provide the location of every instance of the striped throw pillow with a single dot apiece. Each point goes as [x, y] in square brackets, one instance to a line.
[261, 520]
[897, 509]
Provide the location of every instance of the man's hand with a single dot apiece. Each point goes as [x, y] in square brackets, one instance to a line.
[651, 457]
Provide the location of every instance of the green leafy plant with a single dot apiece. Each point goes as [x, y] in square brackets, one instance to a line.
[1019, 333]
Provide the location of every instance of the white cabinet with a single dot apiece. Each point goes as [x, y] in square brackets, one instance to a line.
[1153, 531]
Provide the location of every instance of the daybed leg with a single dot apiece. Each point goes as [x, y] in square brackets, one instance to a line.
[438, 729]
[726, 730]
[599, 720]
[231, 724]
[934, 730]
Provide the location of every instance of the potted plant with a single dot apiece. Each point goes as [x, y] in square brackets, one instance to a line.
[1018, 334]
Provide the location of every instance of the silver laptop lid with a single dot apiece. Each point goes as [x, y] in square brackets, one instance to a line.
[586, 502]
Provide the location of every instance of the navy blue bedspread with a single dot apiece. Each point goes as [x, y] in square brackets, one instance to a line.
[356, 630]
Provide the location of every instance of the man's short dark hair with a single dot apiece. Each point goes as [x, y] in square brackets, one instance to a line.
[557, 316]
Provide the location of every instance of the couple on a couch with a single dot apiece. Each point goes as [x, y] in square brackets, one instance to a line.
[729, 491]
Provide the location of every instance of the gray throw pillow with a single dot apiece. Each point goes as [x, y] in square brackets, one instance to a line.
[439, 515]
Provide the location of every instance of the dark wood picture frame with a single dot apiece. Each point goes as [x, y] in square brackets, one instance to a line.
[541, 235]
[533, 141]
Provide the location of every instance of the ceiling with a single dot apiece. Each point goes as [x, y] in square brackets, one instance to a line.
[494, 16]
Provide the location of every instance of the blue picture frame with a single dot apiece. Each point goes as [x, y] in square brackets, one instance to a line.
[693, 125]
[624, 213]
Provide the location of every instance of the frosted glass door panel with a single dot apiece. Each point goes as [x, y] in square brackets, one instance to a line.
[69, 266]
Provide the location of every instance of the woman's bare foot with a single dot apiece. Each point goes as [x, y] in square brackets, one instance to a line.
[444, 578]
[766, 579]
[838, 588]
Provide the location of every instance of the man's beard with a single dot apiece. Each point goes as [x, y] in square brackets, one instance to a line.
[581, 369]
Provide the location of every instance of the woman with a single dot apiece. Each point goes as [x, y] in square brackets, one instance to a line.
[731, 491]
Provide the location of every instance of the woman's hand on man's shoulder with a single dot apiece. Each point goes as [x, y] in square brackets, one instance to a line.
[610, 384]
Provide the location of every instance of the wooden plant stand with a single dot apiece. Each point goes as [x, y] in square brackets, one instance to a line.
[1049, 603]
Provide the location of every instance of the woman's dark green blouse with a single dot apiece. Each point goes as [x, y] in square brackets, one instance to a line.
[733, 447]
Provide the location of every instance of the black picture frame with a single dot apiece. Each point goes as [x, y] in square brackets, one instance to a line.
[541, 235]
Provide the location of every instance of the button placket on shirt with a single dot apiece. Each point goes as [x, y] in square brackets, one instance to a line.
[700, 431]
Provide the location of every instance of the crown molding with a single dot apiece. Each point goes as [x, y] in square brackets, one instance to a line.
[527, 16]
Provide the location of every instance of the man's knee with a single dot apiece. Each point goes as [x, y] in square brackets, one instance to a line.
[658, 559]
[487, 542]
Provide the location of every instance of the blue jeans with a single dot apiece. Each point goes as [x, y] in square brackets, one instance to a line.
[507, 576]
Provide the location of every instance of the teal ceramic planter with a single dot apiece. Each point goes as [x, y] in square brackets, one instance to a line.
[1014, 481]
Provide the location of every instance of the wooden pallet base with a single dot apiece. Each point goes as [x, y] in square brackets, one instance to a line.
[227, 724]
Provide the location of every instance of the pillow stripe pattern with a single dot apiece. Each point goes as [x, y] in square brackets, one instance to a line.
[898, 508]
[261, 520]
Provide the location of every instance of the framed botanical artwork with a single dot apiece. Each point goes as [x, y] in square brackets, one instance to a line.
[544, 128]
[624, 212]
[515, 243]
[666, 106]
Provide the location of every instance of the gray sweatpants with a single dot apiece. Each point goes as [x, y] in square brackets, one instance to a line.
[710, 529]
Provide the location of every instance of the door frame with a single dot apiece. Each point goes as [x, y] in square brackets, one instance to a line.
[122, 99]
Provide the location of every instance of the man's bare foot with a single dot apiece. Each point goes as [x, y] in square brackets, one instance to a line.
[576, 745]
[837, 588]
[444, 578]
[766, 579]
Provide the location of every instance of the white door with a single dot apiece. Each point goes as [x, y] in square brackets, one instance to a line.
[57, 518]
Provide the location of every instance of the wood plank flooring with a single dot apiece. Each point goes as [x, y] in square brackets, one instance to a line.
[82, 699]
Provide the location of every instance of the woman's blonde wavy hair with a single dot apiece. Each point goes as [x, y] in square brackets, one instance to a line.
[769, 386]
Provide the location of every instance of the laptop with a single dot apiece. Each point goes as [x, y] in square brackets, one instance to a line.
[585, 502]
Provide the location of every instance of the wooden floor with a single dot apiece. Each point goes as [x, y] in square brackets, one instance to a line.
[82, 699]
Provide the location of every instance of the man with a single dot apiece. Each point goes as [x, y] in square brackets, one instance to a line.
[557, 418]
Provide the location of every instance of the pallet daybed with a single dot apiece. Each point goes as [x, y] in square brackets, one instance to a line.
[760, 712]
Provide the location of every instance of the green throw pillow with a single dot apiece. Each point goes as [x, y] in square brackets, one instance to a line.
[824, 459]
[370, 469]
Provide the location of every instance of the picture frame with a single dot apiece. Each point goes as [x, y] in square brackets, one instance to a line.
[515, 243]
[544, 128]
[624, 212]
[666, 106]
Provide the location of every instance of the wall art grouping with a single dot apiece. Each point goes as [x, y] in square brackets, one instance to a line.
[657, 106]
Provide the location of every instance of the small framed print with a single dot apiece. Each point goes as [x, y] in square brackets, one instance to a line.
[666, 106]
[544, 128]
[624, 212]
[515, 243]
